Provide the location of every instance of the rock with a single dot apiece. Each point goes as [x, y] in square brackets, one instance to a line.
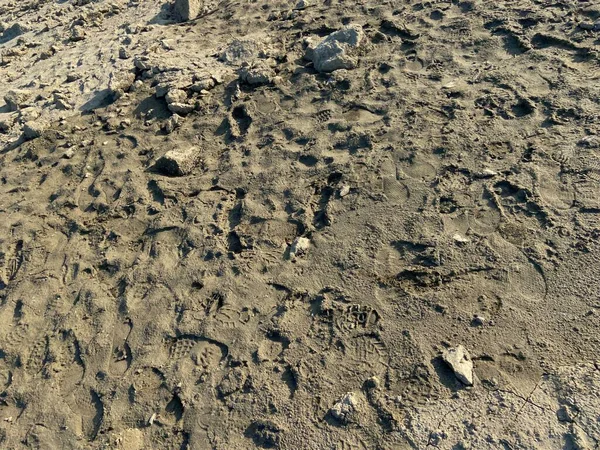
[172, 123]
[344, 190]
[120, 82]
[176, 96]
[123, 54]
[13, 31]
[17, 99]
[33, 130]
[179, 162]
[187, 9]
[180, 108]
[478, 320]
[299, 247]
[303, 4]
[61, 101]
[344, 409]
[459, 360]
[77, 34]
[257, 74]
[336, 50]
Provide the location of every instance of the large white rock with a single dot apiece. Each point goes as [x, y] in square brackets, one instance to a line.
[336, 51]
[459, 360]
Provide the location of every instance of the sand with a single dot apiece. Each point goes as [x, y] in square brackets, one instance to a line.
[340, 225]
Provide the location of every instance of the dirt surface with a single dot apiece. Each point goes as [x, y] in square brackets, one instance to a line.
[341, 225]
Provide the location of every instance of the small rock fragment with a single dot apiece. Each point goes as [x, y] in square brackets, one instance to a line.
[303, 4]
[33, 130]
[257, 74]
[120, 82]
[16, 99]
[345, 408]
[77, 34]
[172, 123]
[344, 190]
[179, 162]
[336, 50]
[299, 247]
[459, 360]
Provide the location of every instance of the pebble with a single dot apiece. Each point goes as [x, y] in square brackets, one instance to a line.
[460, 362]
[299, 247]
[345, 408]
[344, 190]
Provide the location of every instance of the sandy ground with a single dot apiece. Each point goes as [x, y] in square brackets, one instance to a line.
[274, 225]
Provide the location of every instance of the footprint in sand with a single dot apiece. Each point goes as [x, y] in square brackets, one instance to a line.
[120, 358]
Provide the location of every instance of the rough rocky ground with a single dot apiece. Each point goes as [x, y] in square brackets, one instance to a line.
[302, 266]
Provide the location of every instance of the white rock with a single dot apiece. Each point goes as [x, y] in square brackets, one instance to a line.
[459, 360]
[345, 407]
[344, 190]
[336, 50]
[299, 247]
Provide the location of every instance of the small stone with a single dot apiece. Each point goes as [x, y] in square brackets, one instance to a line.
[564, 414]
[459, 239]
[257, 74]
[299, 247]
[16, 99]
[172, 123]
[120, 82]
[460, 362]
[187, 9]
[176, 96]
[303, 4]
[33, 130]
[77, 34]
[344, 190]
[13, 31]
[345, 408]
[180, 108]
[69, 154]
[179, 162]
[335, 51]
[478, 320]
[123, 53]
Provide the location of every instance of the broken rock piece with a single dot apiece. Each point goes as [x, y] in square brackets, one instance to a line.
[459, 360]
[336, 50]
[179, 162]
[299, 247]
[187, 9]
[345, 408]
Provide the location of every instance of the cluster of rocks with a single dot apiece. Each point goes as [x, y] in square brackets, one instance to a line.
[181, 86]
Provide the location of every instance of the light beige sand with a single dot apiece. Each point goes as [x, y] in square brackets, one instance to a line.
[205, 243]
